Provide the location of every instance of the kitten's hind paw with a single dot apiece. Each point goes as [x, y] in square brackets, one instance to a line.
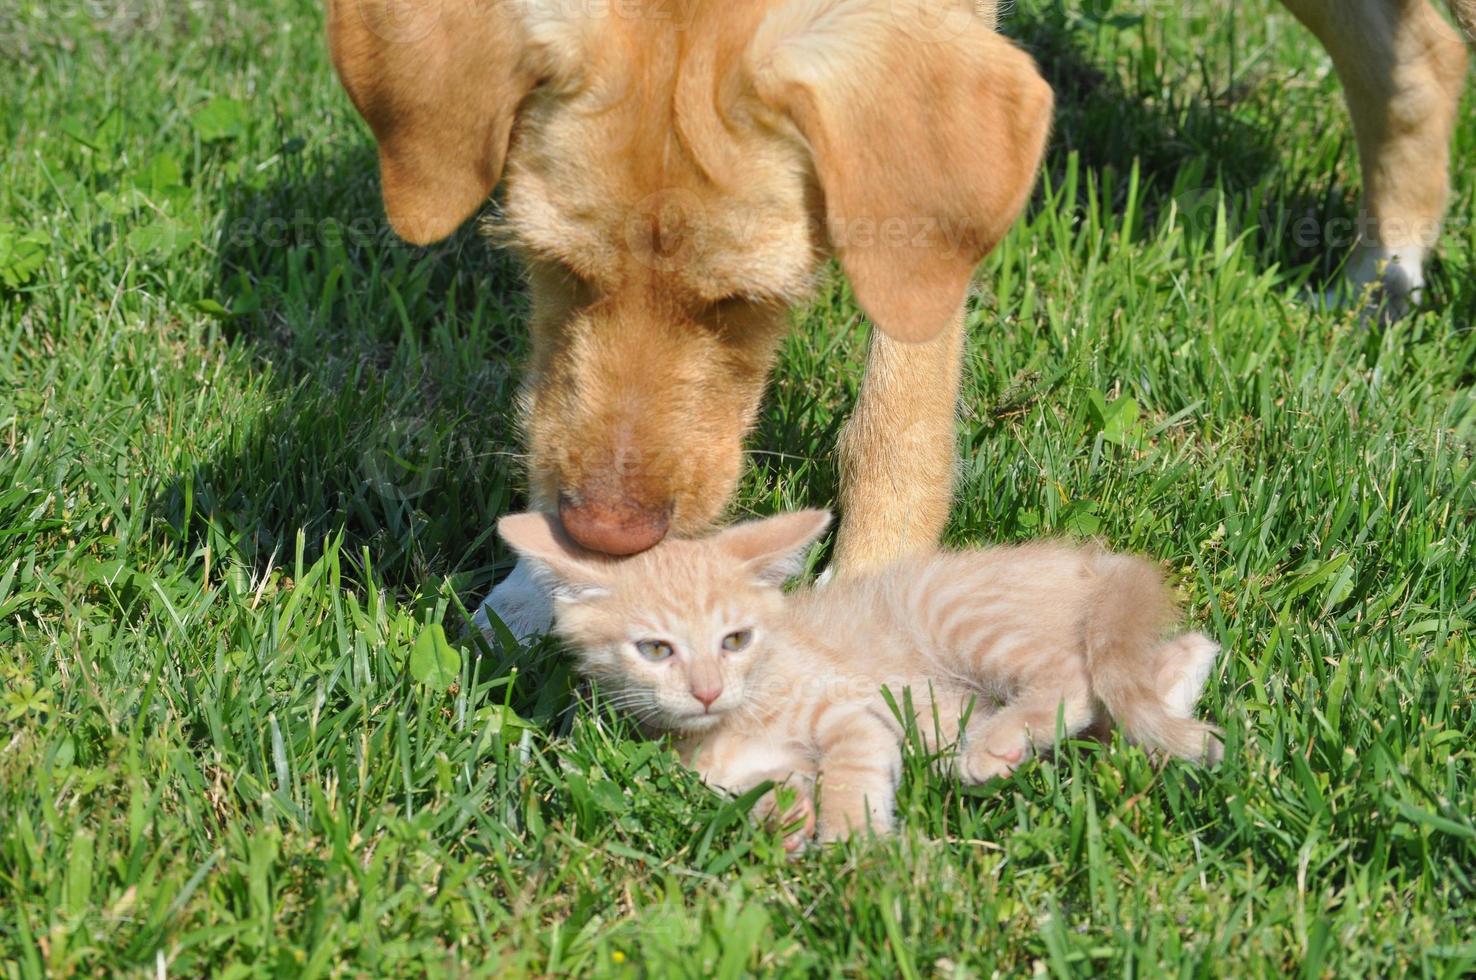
[1186, 663]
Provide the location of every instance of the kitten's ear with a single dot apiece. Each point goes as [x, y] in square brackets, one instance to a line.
[775, 547]
[571, 573]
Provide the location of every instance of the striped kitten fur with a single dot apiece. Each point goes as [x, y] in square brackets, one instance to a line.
[696, 638]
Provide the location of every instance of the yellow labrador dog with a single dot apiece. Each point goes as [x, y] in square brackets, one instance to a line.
[676, 171]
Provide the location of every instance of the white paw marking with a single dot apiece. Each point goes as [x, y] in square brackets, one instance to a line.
[1390, 279]
[1192, 659]
[524, 606]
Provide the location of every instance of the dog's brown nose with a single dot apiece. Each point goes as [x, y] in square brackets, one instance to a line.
[613, 527]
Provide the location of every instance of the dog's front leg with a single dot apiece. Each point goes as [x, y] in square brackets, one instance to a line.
[897, 451]
[1402, 68]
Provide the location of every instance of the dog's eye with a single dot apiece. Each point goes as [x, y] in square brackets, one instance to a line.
[737, 640]
[655, 650]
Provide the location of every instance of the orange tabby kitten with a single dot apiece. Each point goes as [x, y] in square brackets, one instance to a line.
[994, 647]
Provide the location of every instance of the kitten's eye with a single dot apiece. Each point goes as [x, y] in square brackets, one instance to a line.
[655, 650]
[737, 640]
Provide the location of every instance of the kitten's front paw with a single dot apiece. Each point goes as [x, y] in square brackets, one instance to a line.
[523, 605]
[794, 813]
[983, 758]
[840, 821]
[840, 831]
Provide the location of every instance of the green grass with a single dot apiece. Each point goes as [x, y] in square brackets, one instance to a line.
[251, 449]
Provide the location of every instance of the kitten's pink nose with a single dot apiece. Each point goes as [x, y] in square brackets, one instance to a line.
[707, 695]
[619, 526]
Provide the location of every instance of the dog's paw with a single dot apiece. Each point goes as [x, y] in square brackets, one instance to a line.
[523, 605]
[1382, 283]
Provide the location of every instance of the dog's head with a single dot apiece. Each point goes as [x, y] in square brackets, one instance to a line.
[675, 171]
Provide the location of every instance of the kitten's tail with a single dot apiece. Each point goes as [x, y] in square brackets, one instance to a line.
[1148, 686]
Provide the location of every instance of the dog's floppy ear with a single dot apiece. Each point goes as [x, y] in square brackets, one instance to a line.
[925, 129]
[439, 82]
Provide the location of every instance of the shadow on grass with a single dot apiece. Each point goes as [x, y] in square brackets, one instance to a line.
[386, 385]
[1188, 145]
